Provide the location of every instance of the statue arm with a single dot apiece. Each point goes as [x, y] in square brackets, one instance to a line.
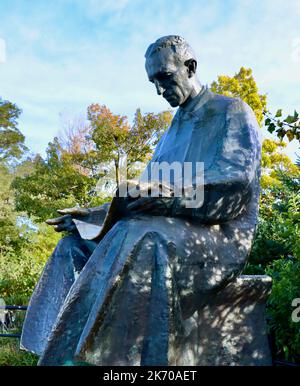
[228, 183]
[101, 208]
[90, 226]
[88, 222]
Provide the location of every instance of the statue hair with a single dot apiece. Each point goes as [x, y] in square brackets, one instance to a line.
[176, 43]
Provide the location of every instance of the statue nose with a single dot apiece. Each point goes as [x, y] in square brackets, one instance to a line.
[159, 89]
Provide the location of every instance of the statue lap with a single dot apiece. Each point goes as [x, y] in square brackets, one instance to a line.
[157, 271]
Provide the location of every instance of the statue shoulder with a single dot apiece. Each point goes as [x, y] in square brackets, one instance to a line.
[233, 107]
[221, 103]
[209, 101]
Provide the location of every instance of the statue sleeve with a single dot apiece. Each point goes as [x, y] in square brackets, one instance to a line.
[90, 226]
[231, 178]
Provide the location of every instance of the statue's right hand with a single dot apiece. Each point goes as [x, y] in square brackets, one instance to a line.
[65, 222]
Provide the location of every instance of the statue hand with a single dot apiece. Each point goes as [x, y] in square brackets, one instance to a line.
[65, 222]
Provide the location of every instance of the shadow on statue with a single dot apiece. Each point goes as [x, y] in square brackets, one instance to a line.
[150, 280]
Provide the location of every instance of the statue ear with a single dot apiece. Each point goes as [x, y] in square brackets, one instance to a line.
[191, 65]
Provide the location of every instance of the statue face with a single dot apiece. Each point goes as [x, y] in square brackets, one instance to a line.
[171, 77]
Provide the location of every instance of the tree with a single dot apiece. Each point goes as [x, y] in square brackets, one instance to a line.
[21, 258]
[289, 126]
[70, 173]
[242, 85]
[114, 138]
[276, 248]
[9, 234]
[23, 246]
[54, 183]
[11, 148]
[11, 139]
[278, 233]
[276, 252]
[274, 162]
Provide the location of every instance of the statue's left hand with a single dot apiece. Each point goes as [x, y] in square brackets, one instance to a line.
[65, 222]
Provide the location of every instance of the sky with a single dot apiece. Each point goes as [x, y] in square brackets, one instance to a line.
[59, 56]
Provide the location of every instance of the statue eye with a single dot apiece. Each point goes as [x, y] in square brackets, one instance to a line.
[164, 76]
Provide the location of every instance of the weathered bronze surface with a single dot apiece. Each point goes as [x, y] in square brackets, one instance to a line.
[132, 295]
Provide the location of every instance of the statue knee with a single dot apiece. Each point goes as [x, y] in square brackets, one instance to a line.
[73, 252]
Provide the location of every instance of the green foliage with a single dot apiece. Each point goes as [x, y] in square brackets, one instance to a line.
[286, 288]
[55, 183]
[114, 138]
[274, 162]
[276, 248]
[276, 252]
[23, 249]
[20, 269]
[242, 85]
[11, 139]
[23, 252]
[289, 126]
[8, 233]
[278, 232]
[70, 173]
[11, 355]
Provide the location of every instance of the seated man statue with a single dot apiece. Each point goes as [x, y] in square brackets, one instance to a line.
[127, 296]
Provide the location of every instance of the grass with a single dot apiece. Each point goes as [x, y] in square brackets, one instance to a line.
[11, 355]
[10, 352]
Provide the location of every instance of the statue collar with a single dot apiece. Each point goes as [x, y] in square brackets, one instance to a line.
[196, 102]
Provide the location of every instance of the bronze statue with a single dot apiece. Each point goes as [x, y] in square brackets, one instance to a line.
[127, 296]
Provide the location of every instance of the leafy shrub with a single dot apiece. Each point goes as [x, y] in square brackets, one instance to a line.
[286, 287]
[276, 252]
[19, 272]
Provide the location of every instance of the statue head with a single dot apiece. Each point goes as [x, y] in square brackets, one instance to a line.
[171, 65]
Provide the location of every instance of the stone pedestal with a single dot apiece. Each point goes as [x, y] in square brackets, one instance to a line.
[231, 330]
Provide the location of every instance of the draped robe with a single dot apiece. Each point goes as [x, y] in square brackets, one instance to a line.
[139, 288]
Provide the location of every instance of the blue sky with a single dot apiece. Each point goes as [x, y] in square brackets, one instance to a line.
[58, 56]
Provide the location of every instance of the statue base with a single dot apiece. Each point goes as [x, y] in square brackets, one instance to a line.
[231, 330]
